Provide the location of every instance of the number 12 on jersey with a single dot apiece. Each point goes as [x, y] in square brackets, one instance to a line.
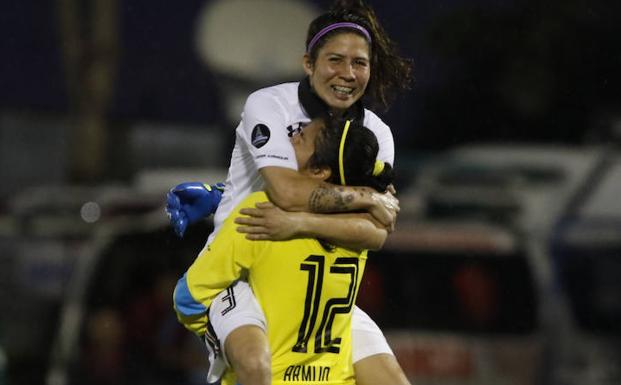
[317, 280]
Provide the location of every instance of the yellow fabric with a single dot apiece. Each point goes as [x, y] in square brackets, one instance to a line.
[341, 152]
[378, 168]
[280, 274]
[194, 323]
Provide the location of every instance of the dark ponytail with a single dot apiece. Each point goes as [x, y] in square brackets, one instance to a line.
[390, 73]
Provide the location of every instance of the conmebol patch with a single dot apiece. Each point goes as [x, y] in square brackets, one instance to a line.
[260, 135]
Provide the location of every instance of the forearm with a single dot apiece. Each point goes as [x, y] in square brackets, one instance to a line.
[329, 198]
[291, 194]
[354, 231]
[292, 191]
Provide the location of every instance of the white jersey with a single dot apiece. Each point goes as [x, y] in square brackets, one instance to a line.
[270, 118]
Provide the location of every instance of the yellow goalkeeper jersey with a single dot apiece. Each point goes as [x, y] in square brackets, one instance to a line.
[306, 291]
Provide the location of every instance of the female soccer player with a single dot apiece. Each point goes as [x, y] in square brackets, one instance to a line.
[306, 288]
[348, 56]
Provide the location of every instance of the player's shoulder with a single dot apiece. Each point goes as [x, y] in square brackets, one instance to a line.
[377, 125]
[252, 199]
[279, 92]
[229, 225]
[256, 196]
[371, 120]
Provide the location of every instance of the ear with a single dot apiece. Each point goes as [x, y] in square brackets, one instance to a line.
[307, 64]
[322, 173]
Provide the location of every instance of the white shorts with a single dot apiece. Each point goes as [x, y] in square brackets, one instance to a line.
[234, 307]
[237, 306]
[367, 338]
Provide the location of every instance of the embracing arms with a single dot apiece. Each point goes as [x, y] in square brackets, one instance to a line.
[189, 202]
[351, 230]
[292, 191]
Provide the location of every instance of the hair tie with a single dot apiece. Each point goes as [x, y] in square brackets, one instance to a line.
[378, 168]
[341, 148]
[331, 27]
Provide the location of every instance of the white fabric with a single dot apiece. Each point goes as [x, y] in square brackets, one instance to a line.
[232, 308]
[279, 108]
[367, 338]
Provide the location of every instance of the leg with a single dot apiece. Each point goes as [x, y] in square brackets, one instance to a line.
[374, 361]
[236, 318]
[378, 369]
[247, 350]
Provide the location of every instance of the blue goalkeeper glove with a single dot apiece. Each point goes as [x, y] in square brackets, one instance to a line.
[189, 202]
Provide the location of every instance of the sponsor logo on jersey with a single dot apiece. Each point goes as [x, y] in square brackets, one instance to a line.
[295, 128]
[260, 135]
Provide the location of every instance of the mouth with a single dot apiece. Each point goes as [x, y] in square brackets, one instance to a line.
[342, 91]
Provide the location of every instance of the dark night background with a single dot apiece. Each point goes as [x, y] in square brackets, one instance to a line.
[485, 70]
[483, 258]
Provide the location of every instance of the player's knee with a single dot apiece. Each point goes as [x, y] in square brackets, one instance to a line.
[255, 363]
[249, 353]
[381, 368]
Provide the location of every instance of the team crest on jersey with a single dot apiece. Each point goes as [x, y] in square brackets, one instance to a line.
[260, 135]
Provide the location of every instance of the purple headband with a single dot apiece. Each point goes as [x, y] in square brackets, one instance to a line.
[335, 26]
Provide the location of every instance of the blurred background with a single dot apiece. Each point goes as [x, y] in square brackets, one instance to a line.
[505, 267]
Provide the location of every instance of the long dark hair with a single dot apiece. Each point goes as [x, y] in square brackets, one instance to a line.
[390, 72]
[359, 155]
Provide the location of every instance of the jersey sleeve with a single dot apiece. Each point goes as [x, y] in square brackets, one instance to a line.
[216, 268]
[264, 129]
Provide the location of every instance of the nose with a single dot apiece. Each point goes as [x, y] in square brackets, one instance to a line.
[347, 71]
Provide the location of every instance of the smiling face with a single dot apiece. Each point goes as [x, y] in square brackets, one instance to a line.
[341, 71]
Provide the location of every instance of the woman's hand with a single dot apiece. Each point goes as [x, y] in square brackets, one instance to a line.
[268, 222]
[385, 209]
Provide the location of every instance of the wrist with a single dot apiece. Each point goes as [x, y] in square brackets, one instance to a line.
[369, 198]
[306, 224]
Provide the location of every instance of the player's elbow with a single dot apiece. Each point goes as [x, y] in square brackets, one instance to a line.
[287, 189]
[371, 236]
[287, 197]
[377, 242]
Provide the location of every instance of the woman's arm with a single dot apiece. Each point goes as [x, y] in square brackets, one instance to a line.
[352, 230]
[293, 191]
[286, 187]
